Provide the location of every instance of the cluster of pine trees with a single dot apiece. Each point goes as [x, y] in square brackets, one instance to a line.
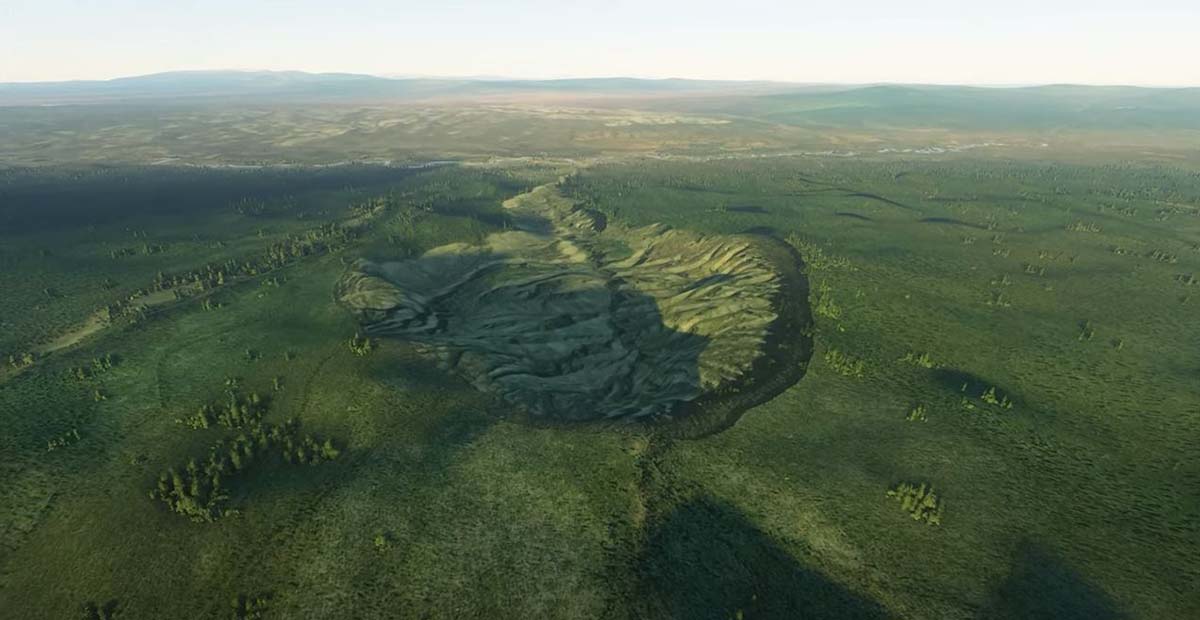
[326, 238]
[195, 493]
[360, 344]
[989, 396]
[21, 360]
[917, 414]
[254, 207]
[825, 305]
[1081, 226]
[920, 502]
[1163, 256]
[845, 365]
[199, 490]
[246, 607]
[236, 412]
[100, 364]
[924, 360]
[1033, 270]
[63, 440]
[815, 258]
[146, 249]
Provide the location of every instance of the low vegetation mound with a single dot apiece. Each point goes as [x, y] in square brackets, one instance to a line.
[573, 319]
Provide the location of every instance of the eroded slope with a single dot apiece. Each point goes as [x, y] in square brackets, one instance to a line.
[571, 319]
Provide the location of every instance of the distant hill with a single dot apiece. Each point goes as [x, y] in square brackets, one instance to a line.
[1052, 107]
[1037, 107]
[266, 86]
[192, 85]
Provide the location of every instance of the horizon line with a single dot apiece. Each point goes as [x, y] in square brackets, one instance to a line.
[499, 78]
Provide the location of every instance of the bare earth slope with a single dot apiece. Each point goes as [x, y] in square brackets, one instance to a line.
[571, 319]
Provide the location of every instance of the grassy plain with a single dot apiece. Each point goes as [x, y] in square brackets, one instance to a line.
[1014, 331]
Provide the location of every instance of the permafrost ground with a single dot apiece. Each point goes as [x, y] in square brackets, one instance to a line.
[573, 320]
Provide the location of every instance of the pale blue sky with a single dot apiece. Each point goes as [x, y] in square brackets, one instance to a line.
[943, 41]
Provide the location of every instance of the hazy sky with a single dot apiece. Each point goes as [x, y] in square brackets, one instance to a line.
[946, 41]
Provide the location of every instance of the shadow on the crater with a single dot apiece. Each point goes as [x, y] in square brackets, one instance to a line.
[787, 351]
[562, 345]
[706, 560]
[1041, 586]
[571, 344]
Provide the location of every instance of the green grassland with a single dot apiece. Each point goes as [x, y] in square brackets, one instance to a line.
[1011, 335]
[76, 240]
[1088, 472]
[591, 120]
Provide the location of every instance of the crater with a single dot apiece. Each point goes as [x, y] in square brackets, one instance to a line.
[574, 319]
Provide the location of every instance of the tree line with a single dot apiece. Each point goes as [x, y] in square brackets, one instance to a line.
[199, 489]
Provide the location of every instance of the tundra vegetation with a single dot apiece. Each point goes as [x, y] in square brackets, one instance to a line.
[601, 366]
